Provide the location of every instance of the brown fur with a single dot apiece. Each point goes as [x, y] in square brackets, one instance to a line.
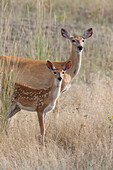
[34, 73]
[40, 100]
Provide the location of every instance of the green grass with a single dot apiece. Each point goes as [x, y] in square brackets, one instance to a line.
[6, 92]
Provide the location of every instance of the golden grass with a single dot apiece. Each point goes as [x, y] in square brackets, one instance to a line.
[76, 140]
[82, 137]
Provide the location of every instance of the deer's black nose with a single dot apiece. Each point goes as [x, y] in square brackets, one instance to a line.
[80, 47]
[59, 78]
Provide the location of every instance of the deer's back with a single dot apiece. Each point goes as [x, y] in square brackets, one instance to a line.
[30, 97]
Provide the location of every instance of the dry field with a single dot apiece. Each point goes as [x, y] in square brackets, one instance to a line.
[82, 137]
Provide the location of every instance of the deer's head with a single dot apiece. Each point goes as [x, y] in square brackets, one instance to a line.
[58, 73]
[77, 41]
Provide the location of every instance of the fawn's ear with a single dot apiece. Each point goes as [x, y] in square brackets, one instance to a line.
[88, 33]
[65, 34]
[49, 65]
[67, 66]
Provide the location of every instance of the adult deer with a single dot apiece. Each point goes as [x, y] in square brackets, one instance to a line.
[39, 100]
[34, 73]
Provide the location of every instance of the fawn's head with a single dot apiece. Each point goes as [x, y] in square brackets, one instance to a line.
[77, 41]
[58, 73]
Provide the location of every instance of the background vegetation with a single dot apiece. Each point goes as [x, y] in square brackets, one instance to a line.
[82, 137]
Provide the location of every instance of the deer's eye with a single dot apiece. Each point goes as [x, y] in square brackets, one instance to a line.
[73, 40]
[82, 40]
[63, 72]
[55, 72]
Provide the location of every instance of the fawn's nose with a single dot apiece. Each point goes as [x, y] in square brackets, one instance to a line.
[59, 78]
[80, 47]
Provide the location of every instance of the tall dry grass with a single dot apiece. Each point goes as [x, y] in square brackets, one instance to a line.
[82, 137]
[77, 140]
[7, 77]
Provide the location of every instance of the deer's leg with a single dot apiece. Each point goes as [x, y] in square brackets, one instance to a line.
[42, 126]
[13, 110]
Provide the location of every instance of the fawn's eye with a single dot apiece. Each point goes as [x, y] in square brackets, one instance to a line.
[73, 40]
[55, 72]
[82, 40]
[63, 72]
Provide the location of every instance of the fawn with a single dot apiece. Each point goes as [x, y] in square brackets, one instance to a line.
[39, 100]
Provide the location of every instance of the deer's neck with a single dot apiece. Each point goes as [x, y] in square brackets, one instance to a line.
[56, 88]
[76, 58]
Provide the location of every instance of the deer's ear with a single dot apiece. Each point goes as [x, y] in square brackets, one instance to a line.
[49, 65]
[67, 66]
[65, 34]
[88, 33]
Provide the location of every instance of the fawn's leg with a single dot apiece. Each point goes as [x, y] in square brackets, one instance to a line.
[13, 110]
[42, 125]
